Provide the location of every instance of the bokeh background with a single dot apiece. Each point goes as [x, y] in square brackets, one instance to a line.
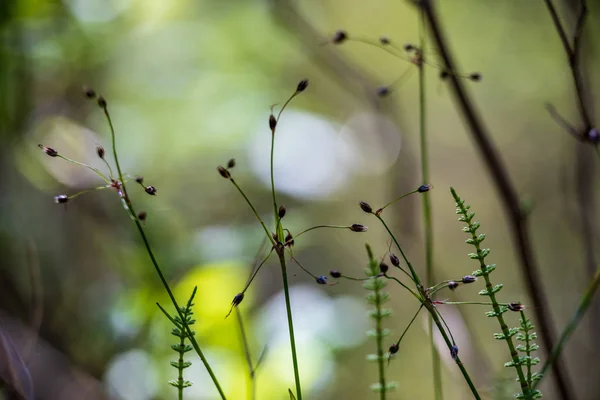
[189, 85]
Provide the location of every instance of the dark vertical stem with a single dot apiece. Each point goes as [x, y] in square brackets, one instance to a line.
[517, 218]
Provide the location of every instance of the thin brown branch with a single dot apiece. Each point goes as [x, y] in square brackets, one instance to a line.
[517, 218]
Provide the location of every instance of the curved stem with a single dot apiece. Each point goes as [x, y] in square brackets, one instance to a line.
[321, 226]
[253, 210]
[95, 170]
[155, 263]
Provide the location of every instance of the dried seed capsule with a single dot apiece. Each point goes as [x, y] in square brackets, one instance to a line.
[516, 306]
[366, 207]
[139, 179]
[475, 77]
[102, 102]
[231, 163]
[335, 273]
[383, 91]
[151, 190]
[593, 136]
[469, 279]
[142, 215]
[394, 260]
[282, 211]
[409, 47]
[321, 280]
[444, 75]
[384, 40]
[454, 352]
[100, 151]
[289, 239]
[89, 93]
[358, 228]
[394, 348]
[224, 173]
[452, 285]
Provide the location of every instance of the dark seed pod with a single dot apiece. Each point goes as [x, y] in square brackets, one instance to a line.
[151, 190]
[61, 199]
[593, 136]
[383, 267]
[424, 188]
[102, 102]
[231, 163]
[302, 85]
[224, 173]
[475, 77]
[100, 151]
[394, 260]
[394, 348]
[516, 307]
[409, 47]
[282, 211]
[452, 285]
[468, 279]
[272, 122]
[142, 215]
[384, 40]
[358, 228]
[89, 93]
[444, 75]
[322, 280]
[335, 273]
[339, 37]
[454, 352]
[139, 179]
[48, 150]
[366, 207]
[383, 91]
[237, 299]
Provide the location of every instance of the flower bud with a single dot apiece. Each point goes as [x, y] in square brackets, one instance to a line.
[151, 190]
[282, 211]
[469, 279]
[394, 260]
[100, 151]
[289, 239]
[335, 273]
[102, 102]
[231, 163]
[409, 47]
[237, 299]
[139, 179]
[383, 91]
[384, 40]
[593, 135]
[424, 188]
[358, 228]
[142, 215]
[452, 285]
[454, 352]
[224, 173]
[272, 122]
[394, 348]
[302, 85]
[366, 207]
[48, 150]
[516, 307]
[475, 77]
[321, 280]
[383, 267]
[89, 93]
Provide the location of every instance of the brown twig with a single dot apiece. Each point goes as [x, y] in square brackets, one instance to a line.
[508, 194]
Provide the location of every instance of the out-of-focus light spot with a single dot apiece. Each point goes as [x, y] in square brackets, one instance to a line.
[97, 10]
[349, 322]
[132, 375]
[369, 144]
[306, 149]
[220, 243]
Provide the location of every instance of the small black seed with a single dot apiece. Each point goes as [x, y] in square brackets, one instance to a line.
[384, 40]
[102, 102]
[383, 267]
[366, 207]
[335, 273]
[383, 91]
[475, 77]
[302, 85]
[139, 179]
[424, 188]
[151, 190]
[322, 280]
[358, 228]
[48, 150]
[469, 279]
[272, 122]
[142, 215]
[89, 93]
[231, 163]
[394, 260]
[61, 199]
[394, 348]
[282, 211]
[339, 37]
[452, 285]
[100, 151]
[237, 299]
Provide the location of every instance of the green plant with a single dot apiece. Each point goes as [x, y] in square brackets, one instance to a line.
[182, 347]
[377, 298]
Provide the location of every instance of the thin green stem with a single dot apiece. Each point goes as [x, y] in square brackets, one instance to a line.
[288, 308]
[251, 387]
[155, 262]
[397, 199]
[482, 303]
[253, 210]
[427, 220]
[321, 226]
[95, 170]
[414, 275]
[409, 325]
[584, 304]
[255, 272]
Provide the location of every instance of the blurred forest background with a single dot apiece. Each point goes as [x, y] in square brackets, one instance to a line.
[189, 85]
